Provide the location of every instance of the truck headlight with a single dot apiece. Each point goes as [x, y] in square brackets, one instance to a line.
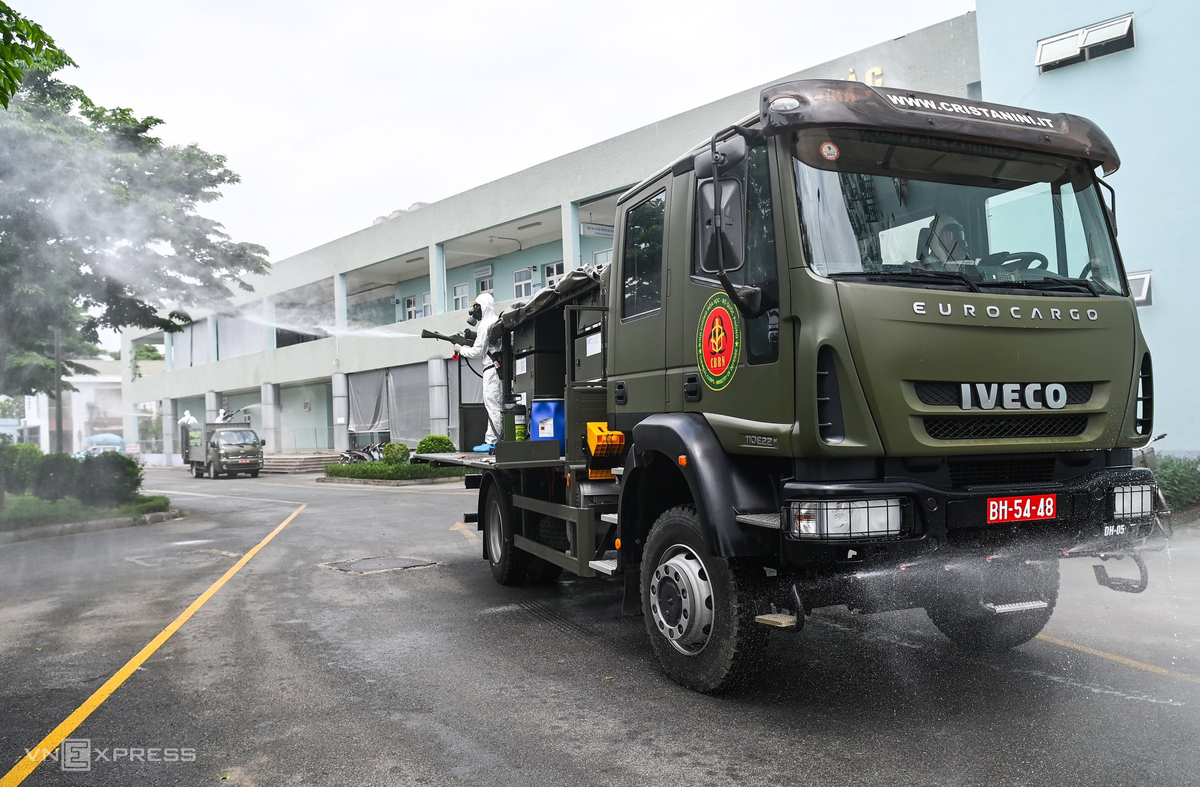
[1133, 502]
[843, 519]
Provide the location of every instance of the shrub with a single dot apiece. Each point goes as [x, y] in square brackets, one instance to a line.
[55, 477]
[436, 444]
[1179, 480]
[400, 472]
[20, 466]
[143, 504]
[109, 479]
[395, 453]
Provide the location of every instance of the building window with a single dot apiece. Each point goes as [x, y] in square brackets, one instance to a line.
[1086, 43]
[1139, 284]
[410, 308]
[462, 293]
[552, 273]
[485, 285]
[643, 253]
[523, 283]
[602, 257]
[426, 304]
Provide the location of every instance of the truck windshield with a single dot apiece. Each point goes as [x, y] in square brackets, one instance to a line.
[885, 207]
[237, 437]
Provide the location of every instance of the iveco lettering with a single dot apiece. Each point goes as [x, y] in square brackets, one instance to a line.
[866, 347]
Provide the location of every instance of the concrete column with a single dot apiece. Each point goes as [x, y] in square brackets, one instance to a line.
[214, 349]
[170, 430]
[341, 413]
[272, 418]
[439, 397]
[570, 233]
[269, 321]
[212, 405]
[339, 300]
[169, 350]
[437, 277]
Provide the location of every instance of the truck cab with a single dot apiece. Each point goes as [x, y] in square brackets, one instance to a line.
[868, 339]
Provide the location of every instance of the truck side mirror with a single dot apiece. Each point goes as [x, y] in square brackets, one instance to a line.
[732, 236]
[262, 442]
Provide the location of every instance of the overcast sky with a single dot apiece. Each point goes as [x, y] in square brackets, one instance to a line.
[336, 113]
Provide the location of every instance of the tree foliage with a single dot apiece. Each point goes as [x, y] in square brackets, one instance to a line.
[24, 45]
[99, 227]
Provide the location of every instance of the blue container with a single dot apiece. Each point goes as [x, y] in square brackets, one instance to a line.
[548, 421]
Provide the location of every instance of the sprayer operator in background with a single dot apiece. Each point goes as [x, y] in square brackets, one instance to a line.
[483, 312]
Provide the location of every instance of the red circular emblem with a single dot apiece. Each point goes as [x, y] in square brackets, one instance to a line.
[718, 342]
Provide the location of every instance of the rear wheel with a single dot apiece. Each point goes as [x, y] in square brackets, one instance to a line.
[197, 471]
[254, 474]
[975, 628]
[509, 564]
[699, 608]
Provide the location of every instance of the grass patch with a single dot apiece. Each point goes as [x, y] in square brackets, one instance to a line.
[383, 471]
[22, 511]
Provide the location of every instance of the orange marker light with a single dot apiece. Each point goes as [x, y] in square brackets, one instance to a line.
[682, 460]
[618, 543]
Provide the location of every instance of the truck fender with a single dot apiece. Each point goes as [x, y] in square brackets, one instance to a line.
[719, 484]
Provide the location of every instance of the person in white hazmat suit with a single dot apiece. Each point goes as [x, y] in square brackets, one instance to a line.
[485, 316]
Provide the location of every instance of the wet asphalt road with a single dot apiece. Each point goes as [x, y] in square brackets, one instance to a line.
[295, 673]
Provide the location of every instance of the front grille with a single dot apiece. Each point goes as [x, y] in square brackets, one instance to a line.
[1001, 472]
[947, 394]
[1009, 427]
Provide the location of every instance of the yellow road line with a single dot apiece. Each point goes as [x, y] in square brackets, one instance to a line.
[27, 763]
[1128, 662]
[467, 531]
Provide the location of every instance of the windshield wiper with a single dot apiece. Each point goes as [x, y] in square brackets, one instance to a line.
[1079, 285]
[958, 277]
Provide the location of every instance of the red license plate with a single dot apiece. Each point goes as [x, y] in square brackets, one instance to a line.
[1021, 509]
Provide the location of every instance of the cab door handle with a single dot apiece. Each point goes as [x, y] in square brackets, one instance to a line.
[620, 393]
[691, 388]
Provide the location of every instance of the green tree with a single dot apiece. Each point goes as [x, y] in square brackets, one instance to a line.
[12, 407]
[99, 227]
[24, 45]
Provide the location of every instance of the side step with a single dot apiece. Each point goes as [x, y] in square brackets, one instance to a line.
[1019, 606]
[769, 521]
[607, 567]
[609, 518]
[777, 620]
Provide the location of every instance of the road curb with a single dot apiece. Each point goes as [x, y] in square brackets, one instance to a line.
[92, 526]
[388, 482]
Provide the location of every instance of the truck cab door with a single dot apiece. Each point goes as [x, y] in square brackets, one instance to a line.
[737, 369]
[637, 318]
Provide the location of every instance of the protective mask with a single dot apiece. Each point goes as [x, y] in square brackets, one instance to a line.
[475, 314]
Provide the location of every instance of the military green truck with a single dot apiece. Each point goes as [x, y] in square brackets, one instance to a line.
[222, 448]
[869, 347]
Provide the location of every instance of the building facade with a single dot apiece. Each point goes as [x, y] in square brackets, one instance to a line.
[1123, 65]
[326, 349]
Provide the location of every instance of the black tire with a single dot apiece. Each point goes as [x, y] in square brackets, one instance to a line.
[254, 474]
[973, 628]
[212, 470]
[543, 572]
[197, 471]
[509, 564]
[708, 644]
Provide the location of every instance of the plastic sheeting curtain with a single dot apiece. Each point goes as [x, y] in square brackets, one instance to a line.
[237, 336]
[190, 345]
[369, 401]
[408, 394]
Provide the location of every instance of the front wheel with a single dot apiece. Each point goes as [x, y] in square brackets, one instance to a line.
[978, 629]
[212, 470]
[509, 564]
[254, 474]
[699, 612]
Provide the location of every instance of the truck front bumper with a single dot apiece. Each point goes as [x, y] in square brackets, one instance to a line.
[1087, 516]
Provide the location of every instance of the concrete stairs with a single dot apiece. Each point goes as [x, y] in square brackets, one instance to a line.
[298, 463]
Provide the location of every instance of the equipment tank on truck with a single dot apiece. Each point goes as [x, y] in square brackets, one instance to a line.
[868, 347]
